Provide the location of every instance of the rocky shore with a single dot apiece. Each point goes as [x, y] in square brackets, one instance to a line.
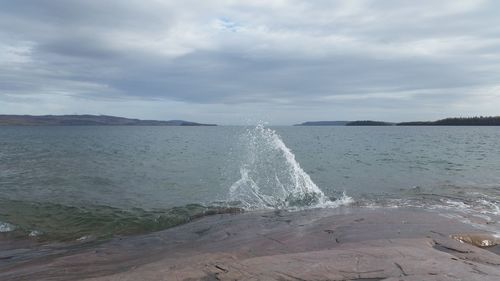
[347, 243]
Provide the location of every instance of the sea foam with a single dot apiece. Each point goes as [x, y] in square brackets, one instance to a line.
[6, 227]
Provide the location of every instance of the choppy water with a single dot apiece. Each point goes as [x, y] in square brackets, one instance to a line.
[71, 182]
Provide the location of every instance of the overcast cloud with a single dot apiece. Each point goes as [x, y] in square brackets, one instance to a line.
[230, 61]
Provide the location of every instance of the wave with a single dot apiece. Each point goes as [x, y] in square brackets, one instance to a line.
[271, 177]
[477, 206]
[57, 222]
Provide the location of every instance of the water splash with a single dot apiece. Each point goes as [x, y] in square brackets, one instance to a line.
[272, 178]
[6, 227]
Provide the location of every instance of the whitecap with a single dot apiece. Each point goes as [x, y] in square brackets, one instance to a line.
[6, 227]
[34, 233]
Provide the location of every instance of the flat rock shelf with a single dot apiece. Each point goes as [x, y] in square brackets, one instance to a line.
[347, 243]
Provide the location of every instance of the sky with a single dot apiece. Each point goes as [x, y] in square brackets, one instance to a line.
[231, 62]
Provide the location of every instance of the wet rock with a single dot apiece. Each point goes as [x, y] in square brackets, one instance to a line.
[477, 239]
[327, 244]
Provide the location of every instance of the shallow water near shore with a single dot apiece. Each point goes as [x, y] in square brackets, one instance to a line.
[69, 183]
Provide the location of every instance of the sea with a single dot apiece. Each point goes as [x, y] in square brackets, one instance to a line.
[78, 183]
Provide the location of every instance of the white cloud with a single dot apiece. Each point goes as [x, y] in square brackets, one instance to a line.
[218, 59]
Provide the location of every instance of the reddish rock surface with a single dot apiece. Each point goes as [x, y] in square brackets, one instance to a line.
[336, 244]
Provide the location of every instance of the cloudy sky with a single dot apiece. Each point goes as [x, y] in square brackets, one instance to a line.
[228, 62]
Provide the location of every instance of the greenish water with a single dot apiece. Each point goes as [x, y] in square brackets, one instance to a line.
[64, 183]
[52, 221]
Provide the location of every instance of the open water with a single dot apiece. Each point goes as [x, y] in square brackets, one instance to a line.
[90, 182]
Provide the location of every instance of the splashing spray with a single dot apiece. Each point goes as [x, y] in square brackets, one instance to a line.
[272, 178]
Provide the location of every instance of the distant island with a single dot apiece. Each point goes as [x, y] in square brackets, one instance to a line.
[458, 121]
[323, 123]
[369, 123]
[87, 120]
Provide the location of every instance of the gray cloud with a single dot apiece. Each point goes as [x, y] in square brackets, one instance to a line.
[226, 60]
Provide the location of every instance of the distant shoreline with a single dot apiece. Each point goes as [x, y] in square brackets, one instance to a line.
[87, 120]
[460, 121]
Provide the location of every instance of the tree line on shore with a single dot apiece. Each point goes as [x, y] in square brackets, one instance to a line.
[456, 121]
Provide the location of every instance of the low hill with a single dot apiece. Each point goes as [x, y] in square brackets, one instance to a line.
[323, 123]
[87, 120]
